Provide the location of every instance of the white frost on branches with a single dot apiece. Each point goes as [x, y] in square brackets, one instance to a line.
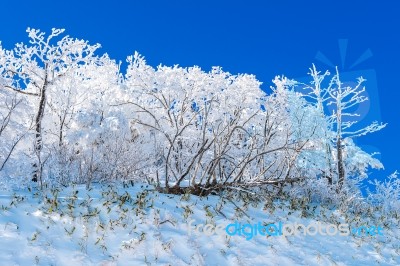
[69, 115]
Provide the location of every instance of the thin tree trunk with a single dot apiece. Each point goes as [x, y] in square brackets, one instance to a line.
[328, 174]
[37, 173]
[340, 166]
[340, 162]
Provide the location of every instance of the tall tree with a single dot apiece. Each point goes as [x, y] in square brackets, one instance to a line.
[320, 96]
[33, 69]
[343, 98]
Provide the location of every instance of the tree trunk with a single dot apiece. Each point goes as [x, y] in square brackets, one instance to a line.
[328, 173]
[37, 173]
[340, 162]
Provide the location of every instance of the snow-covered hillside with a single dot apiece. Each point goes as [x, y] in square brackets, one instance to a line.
[135, 225]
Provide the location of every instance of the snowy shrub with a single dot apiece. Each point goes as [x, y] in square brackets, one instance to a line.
[69, 116]
[386, 197]
[216, 129]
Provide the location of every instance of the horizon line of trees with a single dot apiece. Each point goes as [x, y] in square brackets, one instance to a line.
[69, 116]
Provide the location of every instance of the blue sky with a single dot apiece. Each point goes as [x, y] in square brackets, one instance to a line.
[265, 38]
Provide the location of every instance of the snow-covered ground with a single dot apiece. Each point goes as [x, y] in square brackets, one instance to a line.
[137, 226]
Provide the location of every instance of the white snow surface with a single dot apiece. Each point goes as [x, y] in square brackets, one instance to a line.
[114, 225]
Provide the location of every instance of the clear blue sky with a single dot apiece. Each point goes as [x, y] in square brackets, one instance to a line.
[265, 38]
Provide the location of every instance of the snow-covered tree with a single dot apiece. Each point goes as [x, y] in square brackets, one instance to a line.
[343, 99]
[15, 123]
[339, 124]
[210, 129]
[77, 119]
[178, 128]
[320, 95]
[33, 69]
